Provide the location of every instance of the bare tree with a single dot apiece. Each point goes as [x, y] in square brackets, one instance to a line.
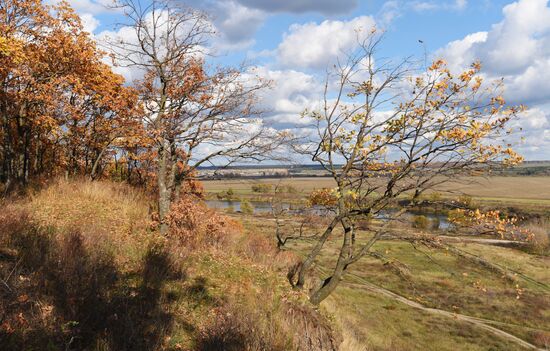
[387, 131]
[194, 114]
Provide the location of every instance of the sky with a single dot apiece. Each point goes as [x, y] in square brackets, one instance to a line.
[292, 42]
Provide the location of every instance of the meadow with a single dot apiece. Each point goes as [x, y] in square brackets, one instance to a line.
[421, 298]
[82, 269]
[430, 299]
[531, 194]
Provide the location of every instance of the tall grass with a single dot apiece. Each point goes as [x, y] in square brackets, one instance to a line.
[540, 229]
[83, 268]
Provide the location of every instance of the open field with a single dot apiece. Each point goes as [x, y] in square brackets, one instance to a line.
[444, 287]
[504, 190]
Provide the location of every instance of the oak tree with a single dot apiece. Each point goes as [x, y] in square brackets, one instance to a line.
[392, 132]
[194, 114]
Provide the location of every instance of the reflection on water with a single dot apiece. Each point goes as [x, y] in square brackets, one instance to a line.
[265, 207]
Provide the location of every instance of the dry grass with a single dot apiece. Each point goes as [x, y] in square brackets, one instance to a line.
[540, 228]
[104, 206]
[518, 189]
[82, 269]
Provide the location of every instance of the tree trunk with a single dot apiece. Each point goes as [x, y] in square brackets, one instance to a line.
[93, 173]
[331, 282]
[164, 200]
[314, 253]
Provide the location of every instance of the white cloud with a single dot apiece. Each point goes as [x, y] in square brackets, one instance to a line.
[534, 118]
[89, 22]
[459, 53]
[238, 28]
[291, 92]
[517, 49]
[235, 23]
[313, 45]
[89, 6]
[130, 62]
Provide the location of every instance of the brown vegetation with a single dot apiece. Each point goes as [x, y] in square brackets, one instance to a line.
[125, 287]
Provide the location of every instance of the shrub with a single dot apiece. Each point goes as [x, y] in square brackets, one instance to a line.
[238, 327]
[228, 195]
[540, 236]
[194, 225]
[435, 197]
[257, 325]
[261, 188]
[421, 222]
[80, 278]
[290, 189]
[246, 207]
[322, 197]
[466, 200]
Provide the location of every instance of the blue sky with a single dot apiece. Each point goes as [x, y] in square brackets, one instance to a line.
[291, 42]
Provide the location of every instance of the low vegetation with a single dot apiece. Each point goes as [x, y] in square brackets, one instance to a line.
[82, 268]
[436, 279]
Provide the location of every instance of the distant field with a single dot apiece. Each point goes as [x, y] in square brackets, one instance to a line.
[529, 190]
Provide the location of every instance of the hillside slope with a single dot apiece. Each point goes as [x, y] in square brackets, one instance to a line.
[83, 269]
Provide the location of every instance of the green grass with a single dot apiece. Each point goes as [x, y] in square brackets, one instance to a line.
[440, 280]
[378, 323]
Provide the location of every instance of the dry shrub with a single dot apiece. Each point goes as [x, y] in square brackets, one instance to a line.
[540, 241]
[263, 250]
[239, 328]
[106, 213]
[65, 291]
[194, 225]
[252, 326]
[258, 248]
[541, 338]
[18, 231]
[312, 331]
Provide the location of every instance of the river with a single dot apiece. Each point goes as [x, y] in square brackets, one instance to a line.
[262, 207]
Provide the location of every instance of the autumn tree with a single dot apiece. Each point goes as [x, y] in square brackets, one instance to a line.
[61, 107]
[391, 131]
[194, 114]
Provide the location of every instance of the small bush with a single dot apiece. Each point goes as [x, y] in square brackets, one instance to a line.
[80, 277]
[289, 189]
[540, 236]
[466, 200]
[262, 188]
[227, 195]
[421, 222]
[255, 325]
[435, 197]
[195, 225]
[246, 207]
[236, 327]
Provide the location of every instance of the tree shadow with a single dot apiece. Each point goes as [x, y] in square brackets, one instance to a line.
[93, 303]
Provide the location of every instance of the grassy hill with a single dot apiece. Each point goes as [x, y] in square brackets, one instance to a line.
[82, 269]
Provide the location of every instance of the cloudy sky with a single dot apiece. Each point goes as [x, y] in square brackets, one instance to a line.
[292, 42]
